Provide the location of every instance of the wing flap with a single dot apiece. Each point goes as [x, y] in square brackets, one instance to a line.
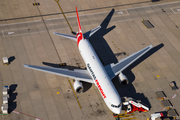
[115, 69]
[81, 75]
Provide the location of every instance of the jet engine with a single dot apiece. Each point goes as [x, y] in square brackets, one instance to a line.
[78, 87]
[123, 79]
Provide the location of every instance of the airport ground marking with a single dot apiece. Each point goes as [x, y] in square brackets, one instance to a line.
[3, 33]
[17, 112]
[21, 22]
[174, 95]
[177, 8]
[43, 31]
[21, 34]
[173, 11]
[74, 93]
[149, 11]
[80, 15]
[124, 20]
[57, 1]
[85, 15]
[92, 13]
[153, 5]
[121, 12]
[96, 13]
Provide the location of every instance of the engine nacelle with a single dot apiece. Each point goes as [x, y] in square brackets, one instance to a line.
[78, 87]
[123, 79]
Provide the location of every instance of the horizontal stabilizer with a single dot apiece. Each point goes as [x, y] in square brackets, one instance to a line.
[88, 34]
[72, 37]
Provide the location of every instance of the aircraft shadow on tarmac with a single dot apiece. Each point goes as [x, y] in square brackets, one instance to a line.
[55, 65]
[107, 57]
[86, 85]
[99, 43]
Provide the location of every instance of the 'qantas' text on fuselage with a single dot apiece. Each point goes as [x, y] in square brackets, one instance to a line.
[92, 73]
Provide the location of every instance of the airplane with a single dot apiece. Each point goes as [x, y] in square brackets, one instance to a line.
[95, 73]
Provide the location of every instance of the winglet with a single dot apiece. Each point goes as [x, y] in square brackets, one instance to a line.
[79, 25]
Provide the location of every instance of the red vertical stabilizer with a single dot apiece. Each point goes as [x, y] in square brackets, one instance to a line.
[79, 25]
[79, 35]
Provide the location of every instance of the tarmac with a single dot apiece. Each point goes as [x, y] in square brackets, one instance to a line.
[26, 37]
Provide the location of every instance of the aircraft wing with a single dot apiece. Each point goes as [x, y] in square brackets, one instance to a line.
[82, 75]
[115, 69]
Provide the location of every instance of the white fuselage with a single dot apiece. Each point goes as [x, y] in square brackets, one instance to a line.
[100, 76]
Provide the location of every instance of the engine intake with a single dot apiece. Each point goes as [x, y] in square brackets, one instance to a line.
[123, 79]
[78, 87]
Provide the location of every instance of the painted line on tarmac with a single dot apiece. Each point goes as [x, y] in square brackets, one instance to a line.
[93, 13]
[3, 31]
[178, 10]
[21, 22]
[153, 5]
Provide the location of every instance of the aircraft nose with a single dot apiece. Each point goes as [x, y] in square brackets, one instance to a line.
[117, 110]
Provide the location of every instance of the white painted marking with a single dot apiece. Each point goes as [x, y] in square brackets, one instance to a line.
[30, 33]
[20, 22]
[173, 96]
[127, 12]
[52, 24]
[79, 15]
[87, 15]
[153, 5]
[121, 12]
[54, 18]
[15, 29]
[59, 29]
[37, 119]
[45, 31]
[125, 20]
[163, 108]
[178, 10]
[15, 112]
[92, 13]
[23, 34]
[3, 33]
[173, 11]
[10, 33]
[150, 11]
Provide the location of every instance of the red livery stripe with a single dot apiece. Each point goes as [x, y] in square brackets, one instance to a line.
[100, 88]
[79, 25]
[79, 35]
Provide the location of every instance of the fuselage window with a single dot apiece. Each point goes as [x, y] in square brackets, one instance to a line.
[115, 106]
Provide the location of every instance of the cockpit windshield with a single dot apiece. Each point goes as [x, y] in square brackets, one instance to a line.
[115, 105]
